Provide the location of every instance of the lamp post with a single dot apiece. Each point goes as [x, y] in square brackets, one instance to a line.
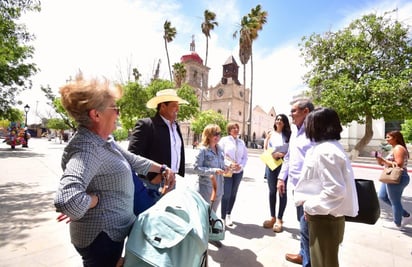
[26, 139]
[26, 110]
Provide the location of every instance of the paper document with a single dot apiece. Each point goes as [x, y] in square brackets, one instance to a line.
[267, 158]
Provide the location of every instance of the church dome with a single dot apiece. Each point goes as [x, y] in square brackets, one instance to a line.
[192, 57]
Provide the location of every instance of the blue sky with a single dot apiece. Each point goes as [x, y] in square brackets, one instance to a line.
[106, 37]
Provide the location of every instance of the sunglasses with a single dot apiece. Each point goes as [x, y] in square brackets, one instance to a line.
[117, 109]
[217, 134]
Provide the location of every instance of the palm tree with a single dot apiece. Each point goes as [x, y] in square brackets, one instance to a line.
[179, 74]
[249, 27]
[207, 25]
[168, 36]
[260, 18]
[245, 50]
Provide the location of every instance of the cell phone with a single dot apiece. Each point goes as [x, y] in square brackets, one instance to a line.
[376, 154]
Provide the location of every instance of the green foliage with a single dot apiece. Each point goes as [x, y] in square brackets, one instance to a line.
[15, 53]
[179, 73]
[407, 131]
[132, 105]
[13, 114]
[208, 117]
[207, 25]
[57, 124]
[363, 70]
[189, 111]
[168, 35]
[4, 124]
[135, 97]
[120, 134]
[56, 104]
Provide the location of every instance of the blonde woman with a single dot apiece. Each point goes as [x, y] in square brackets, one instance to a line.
[210, 166]
[96, 189]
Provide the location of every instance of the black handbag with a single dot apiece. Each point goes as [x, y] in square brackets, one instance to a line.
[369, 209]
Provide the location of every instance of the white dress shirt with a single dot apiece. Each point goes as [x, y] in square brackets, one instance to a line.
[327, 185]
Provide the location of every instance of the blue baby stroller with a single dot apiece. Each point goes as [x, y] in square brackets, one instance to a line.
[174, 232]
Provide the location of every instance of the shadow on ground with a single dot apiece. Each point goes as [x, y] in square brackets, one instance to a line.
[21, 209]
[245, 257]
[19, 152]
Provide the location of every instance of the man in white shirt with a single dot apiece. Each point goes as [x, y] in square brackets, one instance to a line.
[291, 170]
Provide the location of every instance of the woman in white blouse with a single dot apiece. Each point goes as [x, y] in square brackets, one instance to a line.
[326, 188]
[235, 158]
[278, 142]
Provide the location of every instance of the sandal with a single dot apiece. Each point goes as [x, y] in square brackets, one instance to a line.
[268, 223]
[277, 228]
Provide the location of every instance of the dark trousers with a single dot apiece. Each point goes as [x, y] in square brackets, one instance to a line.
[102, 252]
[272, 178]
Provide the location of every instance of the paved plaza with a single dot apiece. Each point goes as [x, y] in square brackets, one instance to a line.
[31, 236]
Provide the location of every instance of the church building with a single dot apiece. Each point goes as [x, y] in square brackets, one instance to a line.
[228, 97]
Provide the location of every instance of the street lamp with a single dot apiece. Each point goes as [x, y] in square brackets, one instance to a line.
[26, 109]
[26, 139]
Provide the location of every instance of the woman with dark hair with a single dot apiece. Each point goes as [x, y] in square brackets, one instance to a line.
[326, 188]
[391, 194]
[278, 142]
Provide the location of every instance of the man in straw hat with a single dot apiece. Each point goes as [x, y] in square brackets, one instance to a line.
[159, 138]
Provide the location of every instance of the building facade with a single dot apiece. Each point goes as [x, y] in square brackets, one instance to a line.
[228, 97]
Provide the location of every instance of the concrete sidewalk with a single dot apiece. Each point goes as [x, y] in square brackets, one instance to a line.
[30, 235]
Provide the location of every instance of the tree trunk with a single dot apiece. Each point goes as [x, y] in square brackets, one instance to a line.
[168, 61]
[364, 140]
[244, 103]
[249, 126]
[207, 50]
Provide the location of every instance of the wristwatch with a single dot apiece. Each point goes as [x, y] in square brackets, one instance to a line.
[163, 168]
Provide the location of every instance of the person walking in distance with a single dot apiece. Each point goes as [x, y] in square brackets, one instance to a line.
[299, 144]
[391, 194]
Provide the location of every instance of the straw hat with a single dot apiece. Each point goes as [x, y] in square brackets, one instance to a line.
[165, 95]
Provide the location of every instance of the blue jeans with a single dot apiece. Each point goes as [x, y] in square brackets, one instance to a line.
[102, 252]
[304, 241]
[391, 194]
[272, 178]
[304, 237]
[229, 194]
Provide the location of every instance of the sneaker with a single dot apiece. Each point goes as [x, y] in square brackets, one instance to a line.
[406, 220]
[392, 225]
[228, 221]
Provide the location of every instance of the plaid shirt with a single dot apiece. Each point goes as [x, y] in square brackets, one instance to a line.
[93, 165]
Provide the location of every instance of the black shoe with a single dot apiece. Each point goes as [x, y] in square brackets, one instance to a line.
[217, 244]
